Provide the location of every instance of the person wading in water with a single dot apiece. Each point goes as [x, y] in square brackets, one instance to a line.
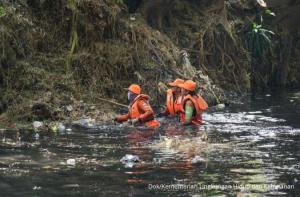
[140, 112]
[174, 98]
[192, 105]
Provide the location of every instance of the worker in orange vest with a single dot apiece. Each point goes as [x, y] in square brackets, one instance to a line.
[192, 105]
[140, 111]
[174, 98]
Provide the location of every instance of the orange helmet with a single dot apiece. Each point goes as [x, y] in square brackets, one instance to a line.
[176, 82]
[135, 88]
[188, 85]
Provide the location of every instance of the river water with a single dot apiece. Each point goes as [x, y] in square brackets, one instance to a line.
[252, 150]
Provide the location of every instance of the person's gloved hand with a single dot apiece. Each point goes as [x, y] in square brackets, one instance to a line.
[135, 121]
[116, 119]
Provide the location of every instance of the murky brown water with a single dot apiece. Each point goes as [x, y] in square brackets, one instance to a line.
[252, 148]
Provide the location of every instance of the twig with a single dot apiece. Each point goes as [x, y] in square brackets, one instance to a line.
[112, 102]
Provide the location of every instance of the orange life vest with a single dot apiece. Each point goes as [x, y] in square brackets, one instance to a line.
[200, 106]
[134, 111]
[173, 106]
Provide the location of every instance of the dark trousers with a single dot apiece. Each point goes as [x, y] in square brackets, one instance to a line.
[133, 5]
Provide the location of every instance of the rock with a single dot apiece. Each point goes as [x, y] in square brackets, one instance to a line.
[37, 124]
[71, 162]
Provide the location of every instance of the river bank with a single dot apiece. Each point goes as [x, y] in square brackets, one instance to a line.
[66, 54]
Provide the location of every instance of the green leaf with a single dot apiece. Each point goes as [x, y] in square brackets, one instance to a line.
[268, 11]
[2, 11]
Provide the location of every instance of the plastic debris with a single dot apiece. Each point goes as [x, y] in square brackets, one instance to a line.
[61, 127]
[220, 106]
[71, 162]
[198, 159]
[37, 124]
[87, 122]
[262, 3]
[37, 136]
[93, 107]
[157, 161]
[130, 158]
[69, 108]
[37, 188]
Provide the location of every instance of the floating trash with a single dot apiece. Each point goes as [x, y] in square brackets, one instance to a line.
[37, 188]
[61, 127]
[87, 122]
[69, 108]
[37, 136]
[71, 162]
[130, 158]
[157, 161]
[198, 159]
[37, 124]
[71, 186]
[220, 106]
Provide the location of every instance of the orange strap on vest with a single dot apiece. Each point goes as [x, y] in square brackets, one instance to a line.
[170, 102]
[177, 104]
[173, 106]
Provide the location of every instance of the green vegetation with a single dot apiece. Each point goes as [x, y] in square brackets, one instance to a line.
[2, 11]
[259, 40]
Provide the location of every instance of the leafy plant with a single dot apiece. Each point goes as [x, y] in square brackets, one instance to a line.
[119, 1]
[259, 40]
[2, 11]
[268, 11]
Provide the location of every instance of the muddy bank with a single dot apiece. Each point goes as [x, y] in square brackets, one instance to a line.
[62, 54]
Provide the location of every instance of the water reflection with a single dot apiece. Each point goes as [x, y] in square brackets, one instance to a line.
[254, 145]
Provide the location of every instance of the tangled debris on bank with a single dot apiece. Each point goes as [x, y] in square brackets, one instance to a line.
[56, 54]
